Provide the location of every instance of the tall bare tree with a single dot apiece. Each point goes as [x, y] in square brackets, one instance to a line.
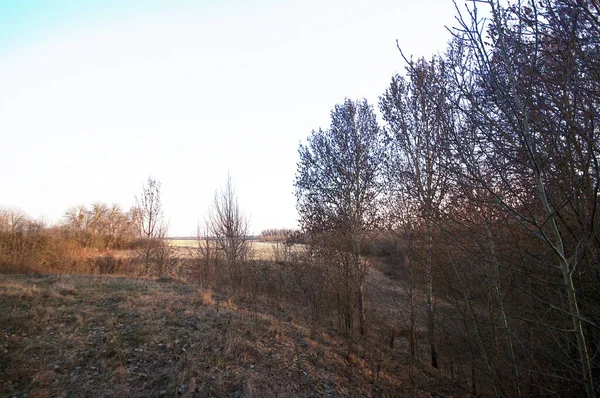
[338, 184]
[152, 227]
[229, 227]
[415, 110]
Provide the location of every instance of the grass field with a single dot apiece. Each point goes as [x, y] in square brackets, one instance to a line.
[260, 250]
[117, 336]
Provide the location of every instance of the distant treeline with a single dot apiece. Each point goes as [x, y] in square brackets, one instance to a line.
[280, 235]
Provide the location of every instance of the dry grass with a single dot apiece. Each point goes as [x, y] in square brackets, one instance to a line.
[270, 251]
[107, 336]
[264, 251]
[191, 243]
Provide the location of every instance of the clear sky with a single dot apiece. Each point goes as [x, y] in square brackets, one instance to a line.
[96, 96]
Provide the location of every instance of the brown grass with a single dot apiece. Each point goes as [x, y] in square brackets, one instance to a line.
[267, 251]
[116, 336]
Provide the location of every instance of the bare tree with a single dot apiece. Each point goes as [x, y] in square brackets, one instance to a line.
[338, 184]
[100, 227]
[529, 94]
[229, 227]
[14, 226]
[208, 255]
[163, 251]
[77, 220]
[415, 109]
[152, 228]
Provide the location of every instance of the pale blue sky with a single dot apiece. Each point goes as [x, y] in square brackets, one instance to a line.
[95, 96]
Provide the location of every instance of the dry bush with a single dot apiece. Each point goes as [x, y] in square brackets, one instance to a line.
[106, 264]
[309, 285]
[38, 250]
[206, 297]
[281, 252]
[29, 246]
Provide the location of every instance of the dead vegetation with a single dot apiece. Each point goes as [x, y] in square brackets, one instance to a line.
[104, 336]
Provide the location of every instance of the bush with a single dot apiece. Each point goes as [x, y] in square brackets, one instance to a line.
[106, 264]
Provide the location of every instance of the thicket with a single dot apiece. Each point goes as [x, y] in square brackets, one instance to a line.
[488, 199]
[85, 241]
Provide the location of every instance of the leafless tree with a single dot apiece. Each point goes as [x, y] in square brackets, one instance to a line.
[100, 227]
[163, 251]
[415, 109]
[338, 184]
[229, 227]
[208, 255]
[152, 227]
[528, 92]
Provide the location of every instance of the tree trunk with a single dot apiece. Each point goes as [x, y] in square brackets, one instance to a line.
[502, 314]
[578, 328]
[430, 318]
[361, 308]
[565, 268]
[413, 328]
[358, 274]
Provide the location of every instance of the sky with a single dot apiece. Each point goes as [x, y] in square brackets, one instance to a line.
[96, 96]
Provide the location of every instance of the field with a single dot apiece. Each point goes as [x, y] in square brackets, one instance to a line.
[114, 336]
[268, 251]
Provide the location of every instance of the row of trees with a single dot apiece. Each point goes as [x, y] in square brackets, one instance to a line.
[277, 235]
[486, 172]
[101, 227]
[86, 232]
[98, 230]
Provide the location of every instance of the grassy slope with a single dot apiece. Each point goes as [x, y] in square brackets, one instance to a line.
[101, 336]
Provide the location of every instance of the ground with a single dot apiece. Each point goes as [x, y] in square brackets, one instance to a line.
[70, 335]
